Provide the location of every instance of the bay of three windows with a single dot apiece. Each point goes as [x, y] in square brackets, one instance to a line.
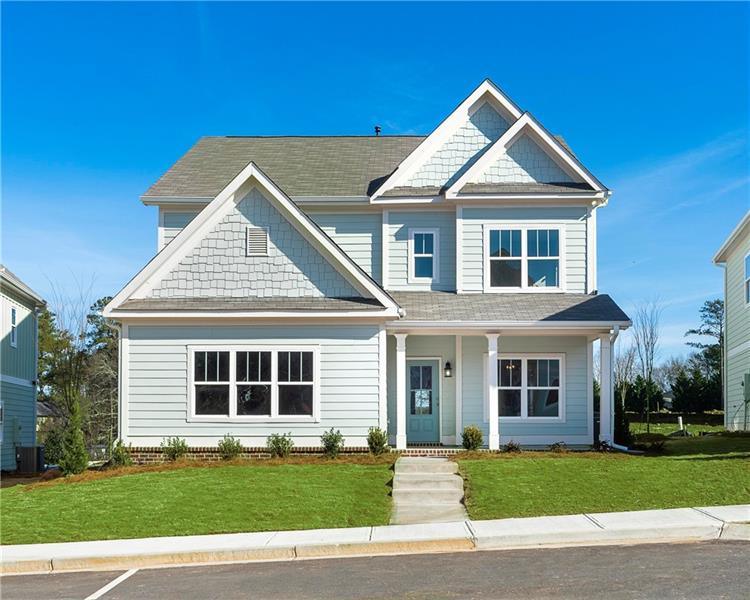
[253, 383]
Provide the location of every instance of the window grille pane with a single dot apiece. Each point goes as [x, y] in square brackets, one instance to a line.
[505, 273]
[212, 400]
[510, 373]
[254, 400]
[199, 370]
[544, 273]
[307, 366]
[531, 236]
[283, 367]
[296, 400]
[554, 242]
[415, 378]
[543, 403]
[428, 243]
[494, 243]
[295, 367]
[509, 403]
[423, 266]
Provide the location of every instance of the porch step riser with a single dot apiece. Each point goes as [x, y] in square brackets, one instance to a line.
[417, 496]
[426, 484]
[422, 468]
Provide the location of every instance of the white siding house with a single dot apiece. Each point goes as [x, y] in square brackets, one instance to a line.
[418, 284]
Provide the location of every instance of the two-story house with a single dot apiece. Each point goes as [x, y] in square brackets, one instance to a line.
[18, 372]
[416, 284]
[734, 256]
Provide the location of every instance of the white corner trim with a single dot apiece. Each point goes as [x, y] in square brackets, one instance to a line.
[385, 249]
[124, 415]
[591, 251]
[411, 275]
[382, 380]
[459, 249]
[144, 281]
[444, 131]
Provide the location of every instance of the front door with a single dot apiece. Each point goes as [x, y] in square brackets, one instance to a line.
[423, 396]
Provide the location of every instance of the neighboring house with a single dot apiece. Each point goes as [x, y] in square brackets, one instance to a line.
[734, 256]
[18, 368]
[400, 282]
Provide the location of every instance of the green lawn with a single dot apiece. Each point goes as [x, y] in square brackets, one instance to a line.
[693, 472]
[198, 500]
[667, 428]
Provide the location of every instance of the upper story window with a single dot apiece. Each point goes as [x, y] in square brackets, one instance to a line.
[747, 279]
[247, 384]
[522, 258]
[423, 255]
[13, 328]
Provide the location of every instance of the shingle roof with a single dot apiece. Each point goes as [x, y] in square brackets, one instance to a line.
[250, 304]
[448, 306]
[301, 166]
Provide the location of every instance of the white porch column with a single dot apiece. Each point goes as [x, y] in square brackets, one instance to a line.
[607, 396]
[400, 391]
[494, 433]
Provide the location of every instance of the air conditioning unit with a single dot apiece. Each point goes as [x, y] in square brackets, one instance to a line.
[26, 459]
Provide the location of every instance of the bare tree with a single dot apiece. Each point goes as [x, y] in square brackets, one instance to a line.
[624, 367]
[646, 325]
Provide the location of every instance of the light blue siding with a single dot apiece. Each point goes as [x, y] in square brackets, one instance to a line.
[18, 361]
[173, 223]
[576, 428]
[573, 220]
[19, 428]
[158, 380]
[358, 234]
[442, 347]
[398, 249]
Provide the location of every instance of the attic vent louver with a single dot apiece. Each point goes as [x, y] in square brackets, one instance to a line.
[257, 241]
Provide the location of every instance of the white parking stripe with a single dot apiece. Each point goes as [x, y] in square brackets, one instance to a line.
[100, 592]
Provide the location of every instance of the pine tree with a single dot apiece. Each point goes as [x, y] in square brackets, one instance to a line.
[75, 458]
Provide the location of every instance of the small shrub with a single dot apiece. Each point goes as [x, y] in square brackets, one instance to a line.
[230, 447]
[119, 455]
[173, 448]
[377, 441]
[332, 442]
[280, 445]
[75, 458]
[472, 438]
[53, 446]
[559, 448]
[513, 446]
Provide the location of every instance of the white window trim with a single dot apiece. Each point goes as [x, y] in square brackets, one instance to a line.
[13, 327]
[233, 417]
[524, 357]
[524, 258]
[746, 281]
[412, 278]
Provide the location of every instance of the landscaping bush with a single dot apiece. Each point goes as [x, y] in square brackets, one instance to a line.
[75, 457]
[559, 448]
[472, 438]
[332, 442]
[53, 446]
[513, 446]
[119, 455]
[230, 447]
[377, 441]
[280, 445]
[174, 448]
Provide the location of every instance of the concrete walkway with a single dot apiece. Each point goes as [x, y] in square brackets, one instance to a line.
[648, 526]
[427, 490]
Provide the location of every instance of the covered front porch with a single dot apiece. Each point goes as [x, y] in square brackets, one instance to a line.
[541, 379]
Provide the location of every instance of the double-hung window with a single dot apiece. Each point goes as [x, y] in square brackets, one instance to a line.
[423, 255]
[530, 387]
[249, 383]
[747, 279]
[13, 328]
[522, 258]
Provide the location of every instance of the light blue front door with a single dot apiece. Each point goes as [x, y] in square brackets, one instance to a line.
[423, 397]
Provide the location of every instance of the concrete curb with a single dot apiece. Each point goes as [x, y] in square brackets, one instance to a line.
[650, 526]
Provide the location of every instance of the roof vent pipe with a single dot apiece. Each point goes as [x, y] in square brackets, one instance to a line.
[377, 130]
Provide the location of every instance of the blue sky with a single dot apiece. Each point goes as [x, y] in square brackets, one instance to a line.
[99, 99]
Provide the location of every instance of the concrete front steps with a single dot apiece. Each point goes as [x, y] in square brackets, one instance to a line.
[427, 490]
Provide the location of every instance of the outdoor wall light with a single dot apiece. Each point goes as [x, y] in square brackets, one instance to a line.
[448, 372]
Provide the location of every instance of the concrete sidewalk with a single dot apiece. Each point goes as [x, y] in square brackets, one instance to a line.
[650, 526]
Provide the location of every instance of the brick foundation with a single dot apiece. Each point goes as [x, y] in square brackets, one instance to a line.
[151, 455]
